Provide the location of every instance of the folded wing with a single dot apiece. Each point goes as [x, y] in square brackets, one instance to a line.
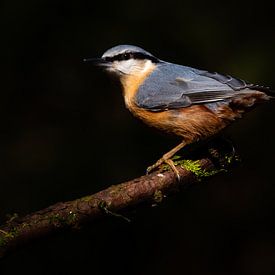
[172, 86]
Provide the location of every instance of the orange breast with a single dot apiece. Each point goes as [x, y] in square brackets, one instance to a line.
[191, 123]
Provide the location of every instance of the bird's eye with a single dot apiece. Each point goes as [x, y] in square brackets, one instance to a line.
[126, 56]
[121, 57]
[108, 58]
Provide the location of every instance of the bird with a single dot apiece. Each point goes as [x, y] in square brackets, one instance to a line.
[192, 104]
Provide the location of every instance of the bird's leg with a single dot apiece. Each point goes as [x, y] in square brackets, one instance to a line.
[167, 159]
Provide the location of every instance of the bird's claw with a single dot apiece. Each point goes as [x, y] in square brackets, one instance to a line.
[161, 161]
[150, 169]
[173, 167]
[154, 166]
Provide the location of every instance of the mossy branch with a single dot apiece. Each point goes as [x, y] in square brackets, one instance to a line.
[73, 214]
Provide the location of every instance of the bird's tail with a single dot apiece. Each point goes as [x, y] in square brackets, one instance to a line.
[267, 90]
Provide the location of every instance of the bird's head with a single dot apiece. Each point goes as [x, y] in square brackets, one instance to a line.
[125, 60]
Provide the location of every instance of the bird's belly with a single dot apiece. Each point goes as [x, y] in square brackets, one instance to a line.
[192, 123]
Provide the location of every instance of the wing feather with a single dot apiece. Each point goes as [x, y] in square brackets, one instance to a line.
[173, 86]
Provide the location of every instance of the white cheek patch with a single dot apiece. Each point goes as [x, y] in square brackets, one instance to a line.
[125, 66]
[132, 66]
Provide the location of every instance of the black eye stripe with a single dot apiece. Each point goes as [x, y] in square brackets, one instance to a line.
[131, 55]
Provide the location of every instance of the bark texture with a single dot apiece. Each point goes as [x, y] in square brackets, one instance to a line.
[72, 214]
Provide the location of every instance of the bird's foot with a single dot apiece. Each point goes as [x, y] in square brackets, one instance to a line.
[154, 166]
[168, 159]
[170, 162]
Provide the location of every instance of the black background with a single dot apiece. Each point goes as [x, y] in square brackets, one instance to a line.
[65, 133]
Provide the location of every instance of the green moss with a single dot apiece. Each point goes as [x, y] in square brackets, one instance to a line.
[158, 196]
[7, 236]
[195, 167]
[192, 166]
[232, 158]
[86, 199]
[24, 225]
[59, 220]
[71, 218]
[54, 218]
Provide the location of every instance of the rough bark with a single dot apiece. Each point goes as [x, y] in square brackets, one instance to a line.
[72, 214]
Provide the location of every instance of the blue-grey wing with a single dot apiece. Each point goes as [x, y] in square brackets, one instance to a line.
[172, 86]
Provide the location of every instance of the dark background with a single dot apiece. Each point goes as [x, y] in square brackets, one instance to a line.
[65, 133]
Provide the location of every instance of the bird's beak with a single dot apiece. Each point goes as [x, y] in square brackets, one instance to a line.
[98, 62]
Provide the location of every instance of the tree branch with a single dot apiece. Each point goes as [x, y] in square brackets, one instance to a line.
[72, 214]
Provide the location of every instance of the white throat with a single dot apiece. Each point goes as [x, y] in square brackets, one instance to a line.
[131, 67]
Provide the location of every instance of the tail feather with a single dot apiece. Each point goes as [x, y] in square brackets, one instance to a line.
[266, 90]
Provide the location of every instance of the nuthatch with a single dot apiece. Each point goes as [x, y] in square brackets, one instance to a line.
[190, 103]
